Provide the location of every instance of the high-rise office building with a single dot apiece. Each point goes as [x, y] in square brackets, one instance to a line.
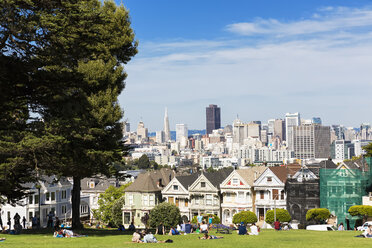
[181, 131]
[291, 120]
[279, 129]
[311, 141]
[167, 135]
[238, 132]
[213, 118]
[160, 137]
[142, 132]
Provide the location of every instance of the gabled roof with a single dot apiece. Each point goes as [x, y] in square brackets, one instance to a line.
[216, 178]
[149, 181]
[281, 172]
[186, 181]
[325, 164]
[251, 174]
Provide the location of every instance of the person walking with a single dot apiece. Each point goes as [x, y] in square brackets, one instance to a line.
[24, 222]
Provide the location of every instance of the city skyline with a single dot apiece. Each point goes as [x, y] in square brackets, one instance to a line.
[310, 57]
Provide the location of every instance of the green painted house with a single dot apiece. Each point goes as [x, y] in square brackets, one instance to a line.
[143, 195]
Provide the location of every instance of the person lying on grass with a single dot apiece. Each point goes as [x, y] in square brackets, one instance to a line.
[206, 236]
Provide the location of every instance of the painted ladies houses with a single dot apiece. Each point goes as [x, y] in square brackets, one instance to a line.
[204, 193]
[269, 190]
[237, 192]
[177, 192]
[144, 194]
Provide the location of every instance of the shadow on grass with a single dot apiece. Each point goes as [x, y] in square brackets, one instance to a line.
[85, 231]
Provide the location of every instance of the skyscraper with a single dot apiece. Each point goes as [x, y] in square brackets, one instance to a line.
[291, 120]
[167, 135]
[213, 118]
[311, 141]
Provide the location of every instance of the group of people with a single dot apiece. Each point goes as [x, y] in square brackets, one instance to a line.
[17, 227]
[242, 229]
[147, 237]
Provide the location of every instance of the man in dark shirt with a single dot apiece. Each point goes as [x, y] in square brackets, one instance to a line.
[242, 229]
[188, 228]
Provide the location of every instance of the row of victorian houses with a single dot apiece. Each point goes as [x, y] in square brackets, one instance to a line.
[258, 189]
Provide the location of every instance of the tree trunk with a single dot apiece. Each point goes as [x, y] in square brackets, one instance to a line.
[76, 204]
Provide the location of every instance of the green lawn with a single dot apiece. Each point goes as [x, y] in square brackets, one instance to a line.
[267, 238]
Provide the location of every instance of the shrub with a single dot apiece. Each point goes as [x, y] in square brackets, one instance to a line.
[318, 214]
[165, 213]
[363, 211]
[215, 219]
[244, 216]
[282, 215]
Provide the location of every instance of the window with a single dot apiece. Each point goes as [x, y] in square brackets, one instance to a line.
[202, 184]
[269, 179]
[262, 194]
[130, 199]
[171, 199]
[30, 215]
[53, 196]
[228, 196]
[235, 181]
[175, 187]
[36, 199]
[30, 199]
[63, 209]
[196, 200]
[152, 200]
[186, 202]
[282, 195]
[63, 194]
[177, 202]
[47, 196]
[126, 218]
[275, 194]
[241, 196]
[209, 199]
[145, 200]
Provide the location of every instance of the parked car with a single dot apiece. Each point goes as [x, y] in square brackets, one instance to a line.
[364, 226]
[323, 227]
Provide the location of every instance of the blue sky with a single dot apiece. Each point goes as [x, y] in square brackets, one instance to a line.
[257, 59]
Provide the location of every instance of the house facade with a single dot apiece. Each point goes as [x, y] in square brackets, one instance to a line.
[143, 195]
[237, 192]
[177, 192]
[55, 196]
[204, 193]
[269, 191]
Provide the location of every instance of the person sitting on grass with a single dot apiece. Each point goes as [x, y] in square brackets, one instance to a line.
[173, 231]
[242, 229]
[254, 230]
[136, 238]
[368, 232]
[206, 236]
[150, 238]
[131, 227]
[204, 227]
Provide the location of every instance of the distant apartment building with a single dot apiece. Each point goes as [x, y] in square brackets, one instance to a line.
[342, 149]
[160, 137]
[213, 118]
[279, 129]
[311, 141]
[142, 132]
[291, 120]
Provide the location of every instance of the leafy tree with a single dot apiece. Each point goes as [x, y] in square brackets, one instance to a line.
[368, 149]
[318, 214]
[210, 170]
[165, 213]
[143, 162]
[107, 201]
[363, 211]
[71, 55]
[116, 211]
[244, 216]
[282, 215]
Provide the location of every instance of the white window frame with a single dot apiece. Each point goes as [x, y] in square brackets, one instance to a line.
[130, 199]
[208, 199]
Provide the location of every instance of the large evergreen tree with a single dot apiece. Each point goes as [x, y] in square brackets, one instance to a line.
[76, 50]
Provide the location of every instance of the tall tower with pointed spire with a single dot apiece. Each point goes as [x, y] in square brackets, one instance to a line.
[167, 135]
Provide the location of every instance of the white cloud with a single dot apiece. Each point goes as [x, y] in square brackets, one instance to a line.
[327, 20]
[325, 75]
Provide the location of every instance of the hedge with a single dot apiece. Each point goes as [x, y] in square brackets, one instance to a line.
[282, 215]
[244, 216]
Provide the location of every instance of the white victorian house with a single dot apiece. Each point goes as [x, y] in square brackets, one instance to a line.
[269, 191]
[205, 195]
[237, 192]
[177, 192]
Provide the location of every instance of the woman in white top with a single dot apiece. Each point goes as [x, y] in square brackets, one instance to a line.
[204, 228]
